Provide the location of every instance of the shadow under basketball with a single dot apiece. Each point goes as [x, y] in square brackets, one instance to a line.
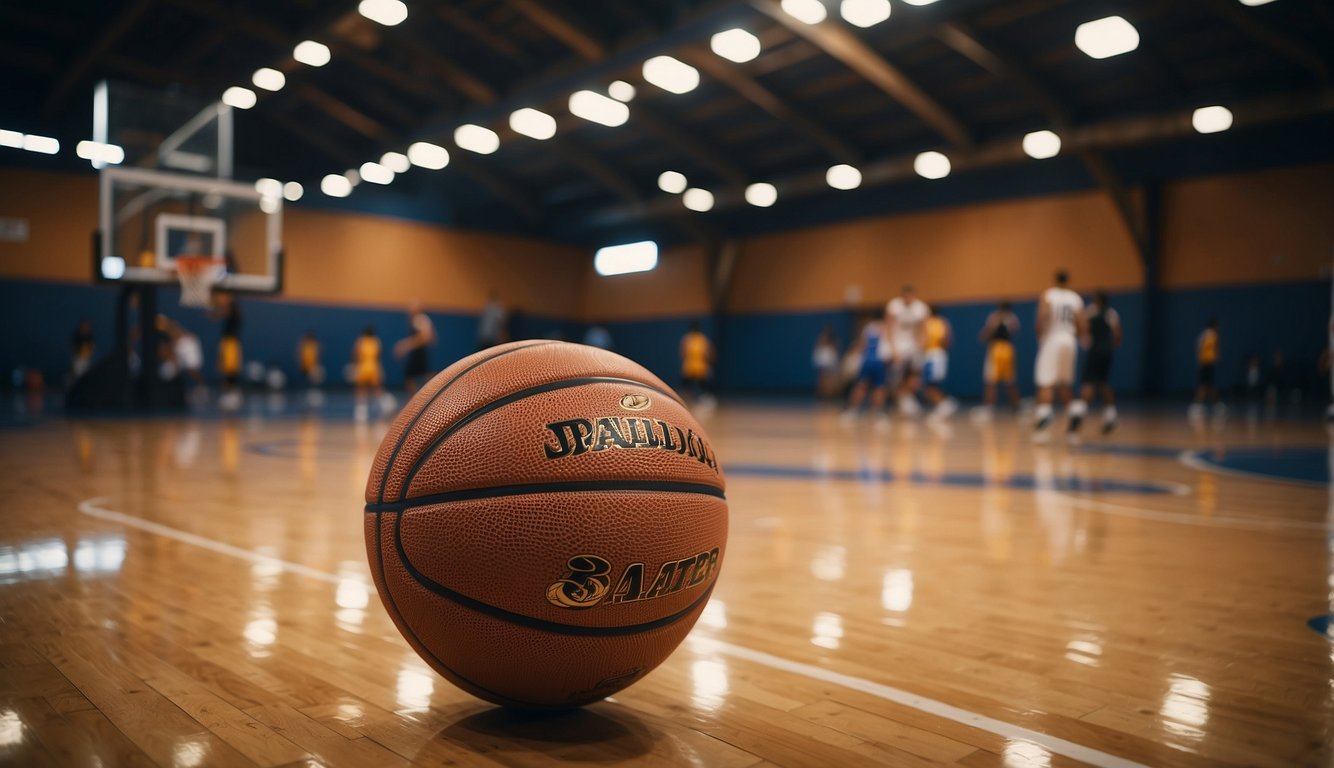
[576, 735]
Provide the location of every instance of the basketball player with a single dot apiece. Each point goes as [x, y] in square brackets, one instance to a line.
[697, 364]
[998, 334]
[1206, 354]
[936, 339]
[368, 375]
[872, 375]
[491, 324]
[81, 346]
[1104, 336]
[230, 355]
[1060, 324]
[416, 366]
[904, 316]
[308, 358]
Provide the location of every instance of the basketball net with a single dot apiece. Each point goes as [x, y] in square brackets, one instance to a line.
[198, 275]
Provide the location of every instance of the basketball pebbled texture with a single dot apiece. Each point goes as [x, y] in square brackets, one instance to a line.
[544, 523]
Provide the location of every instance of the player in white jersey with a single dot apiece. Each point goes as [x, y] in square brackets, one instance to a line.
[904, 316]
[1061, 323]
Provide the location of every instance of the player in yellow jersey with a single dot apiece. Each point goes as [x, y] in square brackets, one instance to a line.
[367, 373]
[230, 356]
[308, 357]
[697, 364]
[1206, 353]
[998, 333]
[935, 343]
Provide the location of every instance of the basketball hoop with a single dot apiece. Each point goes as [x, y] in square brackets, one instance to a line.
[198, 275]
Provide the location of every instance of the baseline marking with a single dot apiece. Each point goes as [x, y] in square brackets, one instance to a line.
[95, 508]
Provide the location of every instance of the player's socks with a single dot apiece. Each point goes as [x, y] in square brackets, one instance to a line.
[1108, 419]
[1077, 410]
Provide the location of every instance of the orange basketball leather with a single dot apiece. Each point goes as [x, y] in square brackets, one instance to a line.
[545, 522]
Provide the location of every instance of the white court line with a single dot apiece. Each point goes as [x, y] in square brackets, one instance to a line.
[94, 508]
[1226, 521]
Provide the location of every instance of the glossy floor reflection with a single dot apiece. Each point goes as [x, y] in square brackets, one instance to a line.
[188, 592]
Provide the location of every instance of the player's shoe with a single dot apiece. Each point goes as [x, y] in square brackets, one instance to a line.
[944, 409]
[1108, 425]
[981, 414]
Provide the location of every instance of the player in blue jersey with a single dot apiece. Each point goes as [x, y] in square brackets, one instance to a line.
[873, 374]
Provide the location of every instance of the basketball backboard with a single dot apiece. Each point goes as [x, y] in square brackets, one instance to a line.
[173, 195]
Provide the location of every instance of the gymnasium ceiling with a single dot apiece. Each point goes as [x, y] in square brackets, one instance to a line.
[965, 77]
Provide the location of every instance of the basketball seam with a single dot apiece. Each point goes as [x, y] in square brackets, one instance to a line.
[403, 622]
[504, 400]
[407, 429]
[571, 486]
[553, 627]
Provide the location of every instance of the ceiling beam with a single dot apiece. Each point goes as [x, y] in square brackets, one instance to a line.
[750, 89]
[317, 139]
[572, 34]
[1245, 20]
[343, 112]
[687, 143]
[499, 185]
[1107, 135]
[123, 21]
[843, 45]
[453, 73]
[478, 31]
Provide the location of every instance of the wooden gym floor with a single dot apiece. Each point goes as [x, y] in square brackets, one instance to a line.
[191, 592]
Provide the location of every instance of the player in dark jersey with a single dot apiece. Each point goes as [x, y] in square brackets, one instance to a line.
[1104, 336]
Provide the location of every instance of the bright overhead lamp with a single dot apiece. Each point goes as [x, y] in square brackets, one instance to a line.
[353, 176]
[672, 182]
[390, 13]
[1254, 3]
[621, 90]
[864, 13]
[475, 138]
[100, 154]
[42, 145]
[292, 191]
[671, 74]
[1041, 145]
[336, 185]
[805, 11]
[113, 267]
[396, 162]
[596, 108]
[627, 258]
[533, 123]
[1211, 119]
[1107, 37]
[11, 139]
[919, 2]
[238, 97]
[696, 199]
[269, 79]
[843, 176]
[761, 194]
[736, 45]
[269, 187]
[424, 154]
[311, 53]
[931, 165]
[376, 173]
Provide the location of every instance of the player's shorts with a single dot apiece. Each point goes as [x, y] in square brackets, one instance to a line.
[229, 357]
[1207, 374]
[1056, 361]
[1000, 363]
[416, 363]
[368, 376]
[695, 370]
[872, 372]
[1098, 366]
[935, 366]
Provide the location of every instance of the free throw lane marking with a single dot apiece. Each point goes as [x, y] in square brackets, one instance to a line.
[96, 508]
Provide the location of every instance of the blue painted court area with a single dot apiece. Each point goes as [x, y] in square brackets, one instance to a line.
[1323, 624]
[1307, 465]
[1072, 484]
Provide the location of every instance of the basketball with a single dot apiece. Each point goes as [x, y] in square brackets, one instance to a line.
[545, 522]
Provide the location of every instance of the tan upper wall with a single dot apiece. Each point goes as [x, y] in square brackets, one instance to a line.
[1268, 226]
[679, 286]
[1003, 249]
[332, 257]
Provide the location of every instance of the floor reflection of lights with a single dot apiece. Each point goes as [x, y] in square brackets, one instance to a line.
[11, 728]
[710, 683]
[830, 563]
[352, 597]
[1185, 709]
[261, 631]
[1084, 651]
[714, 615]
[896, 590]
[1025, 754]
[415, 687]
[189, 754]
[827, 630]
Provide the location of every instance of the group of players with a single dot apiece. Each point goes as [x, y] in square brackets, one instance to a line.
[904, 349]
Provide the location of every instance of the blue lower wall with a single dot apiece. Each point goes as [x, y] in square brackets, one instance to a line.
[758, 352]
